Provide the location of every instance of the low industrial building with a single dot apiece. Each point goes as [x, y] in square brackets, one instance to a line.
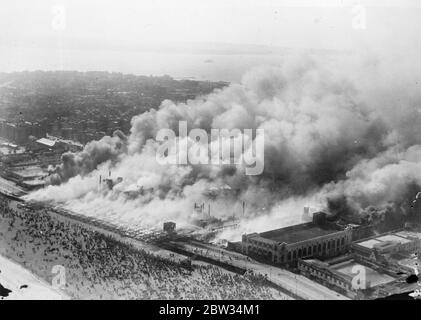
[348, 276]
[397, 251]
[388, 243]
[381, 262]
[54, 144]
[319, 238]
[29, 177]
[20, 131]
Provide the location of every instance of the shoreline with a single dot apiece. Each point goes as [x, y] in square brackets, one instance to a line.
[93, 273]
[13, 276]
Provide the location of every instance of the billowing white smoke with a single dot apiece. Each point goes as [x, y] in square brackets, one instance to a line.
[331, 132]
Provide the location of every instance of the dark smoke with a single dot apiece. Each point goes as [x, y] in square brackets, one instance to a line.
[94, 153]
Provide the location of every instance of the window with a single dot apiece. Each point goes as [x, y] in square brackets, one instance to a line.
[289, 256]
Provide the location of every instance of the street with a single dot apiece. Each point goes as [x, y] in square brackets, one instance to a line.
[295, 283]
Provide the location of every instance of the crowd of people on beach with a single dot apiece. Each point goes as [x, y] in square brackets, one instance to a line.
[99, 266]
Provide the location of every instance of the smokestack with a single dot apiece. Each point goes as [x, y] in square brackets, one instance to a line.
[244, 207]
[306, 214]
[209, 210]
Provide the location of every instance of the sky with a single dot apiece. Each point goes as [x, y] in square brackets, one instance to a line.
[209, 39]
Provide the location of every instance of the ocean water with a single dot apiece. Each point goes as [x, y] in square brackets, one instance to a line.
[199, 66]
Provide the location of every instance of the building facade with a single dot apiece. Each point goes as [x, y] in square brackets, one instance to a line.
[287, 245]
[387, 244]
[322, 273]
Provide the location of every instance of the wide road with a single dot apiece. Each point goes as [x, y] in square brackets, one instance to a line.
[295, 283]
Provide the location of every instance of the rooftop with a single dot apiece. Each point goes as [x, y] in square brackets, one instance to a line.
[384, 240]
[35, 182]
[409, 262]
[409, 234]
[297, 233]
[374, 277]
[392, 237]
[46, 142]
[369, 243]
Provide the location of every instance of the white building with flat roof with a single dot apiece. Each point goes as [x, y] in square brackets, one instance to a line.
[389, 243]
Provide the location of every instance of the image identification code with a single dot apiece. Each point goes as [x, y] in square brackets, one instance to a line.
[231, 309]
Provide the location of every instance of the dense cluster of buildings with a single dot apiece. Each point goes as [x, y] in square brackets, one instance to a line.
[19, 132]
[28, 165]
[49, 113]
[84, 106]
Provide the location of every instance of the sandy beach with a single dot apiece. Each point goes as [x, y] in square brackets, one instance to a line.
[24, 285]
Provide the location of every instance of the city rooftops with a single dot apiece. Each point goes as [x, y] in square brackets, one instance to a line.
[9, 145]
[46, 142]
[29, 172]
[297, 233]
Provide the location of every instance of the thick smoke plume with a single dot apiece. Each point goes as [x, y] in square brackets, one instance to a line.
[94, 153]
[333, 134]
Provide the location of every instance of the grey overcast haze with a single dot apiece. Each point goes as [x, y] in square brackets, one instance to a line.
[213, 40]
